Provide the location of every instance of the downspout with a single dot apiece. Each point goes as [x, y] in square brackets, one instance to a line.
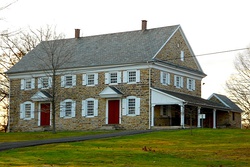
[149, 93]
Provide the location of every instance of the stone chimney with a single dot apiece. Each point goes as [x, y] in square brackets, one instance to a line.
[144, 25]
[77, 33]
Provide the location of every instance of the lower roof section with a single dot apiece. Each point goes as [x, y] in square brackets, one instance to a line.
[161, 97]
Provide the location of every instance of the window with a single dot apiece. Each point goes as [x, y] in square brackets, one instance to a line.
[90, 79]
[28, 84]
[166, 111]
[90, 107]
[131, 76]
[113, 78]
[131, 106]
[68, 81]
[233, 116]
[182, 55]
[190, 84]
[27, 110]
[165, 78]
[67, 108]
[44, 82]
[178, 81]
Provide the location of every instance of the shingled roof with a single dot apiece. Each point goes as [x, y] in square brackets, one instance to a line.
[195, 100]
[226, 102]
[100, 50]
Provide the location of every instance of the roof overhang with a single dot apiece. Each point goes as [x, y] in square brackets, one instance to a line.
[164, 97]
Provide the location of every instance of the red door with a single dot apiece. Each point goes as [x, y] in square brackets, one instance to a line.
[113, 111]
[45, 114]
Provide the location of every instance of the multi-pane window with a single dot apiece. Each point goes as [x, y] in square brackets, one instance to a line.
[90, 107]
[27, 84]
[44, 82]
[68, 80]
[178, 81]
[165, 78]
[113, 77]
[91, 79]
[131, 106]
[67, 108]
[190, 84]
[27, 110]
[132, 76]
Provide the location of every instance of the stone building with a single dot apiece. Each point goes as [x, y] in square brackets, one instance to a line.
[130, 80]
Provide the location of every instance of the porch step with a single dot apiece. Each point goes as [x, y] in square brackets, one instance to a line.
[112, 127]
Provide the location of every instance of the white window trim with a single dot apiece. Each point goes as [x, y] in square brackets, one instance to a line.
[125, 106]
[126, 76]
[63, 81]
[63, 107]
[180, 80]
[192, 84]
[22, 110]
[23, 83]
[84, 107]
[167, 75]
[108, 78]
[85, 79]
[40, 84]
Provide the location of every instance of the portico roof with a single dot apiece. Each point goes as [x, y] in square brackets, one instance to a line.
[170, 97]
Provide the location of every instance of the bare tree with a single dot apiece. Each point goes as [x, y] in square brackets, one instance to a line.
[238, 85]
[52, 57]
[13, 48]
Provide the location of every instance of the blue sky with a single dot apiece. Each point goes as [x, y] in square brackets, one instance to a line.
[209, 25]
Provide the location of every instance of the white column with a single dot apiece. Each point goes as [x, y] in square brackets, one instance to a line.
[214, 118]
[198, 117]
[152, 115]
[182, 116]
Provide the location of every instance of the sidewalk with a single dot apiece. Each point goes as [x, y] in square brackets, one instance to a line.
[12, 145]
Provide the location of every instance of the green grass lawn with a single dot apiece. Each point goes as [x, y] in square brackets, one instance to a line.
[206, 147]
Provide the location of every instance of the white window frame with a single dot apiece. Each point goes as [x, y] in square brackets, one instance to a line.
[108, 78]
[190, 84]
[125, 106]
[126, 76]
[178, 81]
[85, 79]
[64, 81]
[23, 110]
[85, 107]
[28, 81]
[182, 55]
[63, 108]
[41, 83]
[165, 78]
